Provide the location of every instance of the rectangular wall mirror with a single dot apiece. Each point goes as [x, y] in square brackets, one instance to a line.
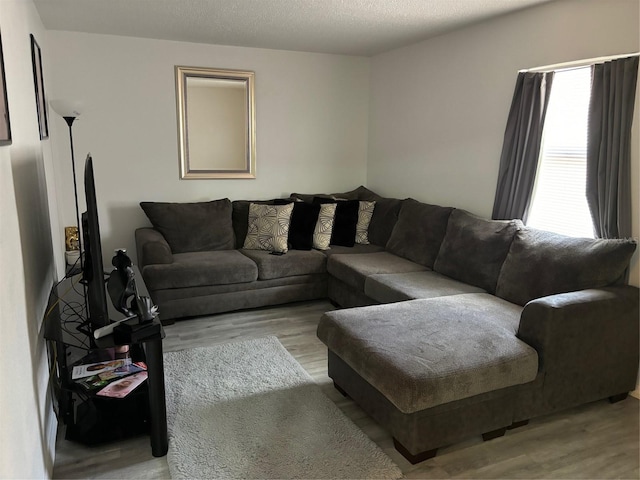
[216, 123]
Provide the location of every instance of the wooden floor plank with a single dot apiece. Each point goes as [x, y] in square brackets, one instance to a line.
[598, 440]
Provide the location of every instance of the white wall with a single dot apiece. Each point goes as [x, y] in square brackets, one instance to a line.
[27, 433]
[438, 108]
[311, 117]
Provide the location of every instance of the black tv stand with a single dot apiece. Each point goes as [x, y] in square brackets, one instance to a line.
[91, 419]
[100, 420]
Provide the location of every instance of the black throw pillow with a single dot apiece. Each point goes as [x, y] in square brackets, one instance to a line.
[302, 225]
[345, 221]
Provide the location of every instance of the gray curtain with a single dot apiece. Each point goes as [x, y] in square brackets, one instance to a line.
[521, 147]
[613, 93]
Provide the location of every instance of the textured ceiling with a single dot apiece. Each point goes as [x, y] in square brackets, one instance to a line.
[352, 27]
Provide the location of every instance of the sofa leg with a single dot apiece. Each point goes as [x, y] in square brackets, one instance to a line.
[618, 398]
[413, 459]
[339, 388]
[494, 434]
[519, 424]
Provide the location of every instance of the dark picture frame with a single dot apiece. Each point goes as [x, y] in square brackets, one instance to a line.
[5, 123]
[38, 80]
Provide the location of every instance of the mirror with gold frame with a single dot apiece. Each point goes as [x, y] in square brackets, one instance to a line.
[216, 123]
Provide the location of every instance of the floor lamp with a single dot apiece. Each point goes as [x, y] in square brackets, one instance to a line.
[70, 111]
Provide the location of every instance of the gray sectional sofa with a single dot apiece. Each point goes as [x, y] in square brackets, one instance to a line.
[451, 325]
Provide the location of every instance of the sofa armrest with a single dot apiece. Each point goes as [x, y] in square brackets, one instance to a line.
[151, 247]
[587, 342]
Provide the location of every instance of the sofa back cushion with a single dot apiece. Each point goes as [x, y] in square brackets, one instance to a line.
[384, 219]
[474, 249]
[193, 227]
[542, 263]
[360, 193]
[419, 231]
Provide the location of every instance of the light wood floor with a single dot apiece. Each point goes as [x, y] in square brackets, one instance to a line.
[598, 440]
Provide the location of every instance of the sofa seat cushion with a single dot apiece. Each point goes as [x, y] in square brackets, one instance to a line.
[428, 352]
[543, 263]
[194, 269]
[353, 269]
[398, 287]
[292, 263]
[357, 248]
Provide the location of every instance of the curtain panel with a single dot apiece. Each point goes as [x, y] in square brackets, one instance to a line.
[521, 147]
[613, 93]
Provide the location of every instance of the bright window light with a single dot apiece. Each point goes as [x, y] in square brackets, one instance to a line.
[559, 202]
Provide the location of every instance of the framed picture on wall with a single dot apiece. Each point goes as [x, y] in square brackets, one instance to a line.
[41, 104]
[5, 125]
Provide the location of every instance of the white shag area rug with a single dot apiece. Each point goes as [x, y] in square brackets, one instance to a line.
[249, 410]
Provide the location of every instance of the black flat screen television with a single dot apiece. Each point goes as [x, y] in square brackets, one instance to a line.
[93, 271]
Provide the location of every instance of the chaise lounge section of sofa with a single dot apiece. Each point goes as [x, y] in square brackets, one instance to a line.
[504, 324]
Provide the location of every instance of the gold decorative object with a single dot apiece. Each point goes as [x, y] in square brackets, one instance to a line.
[71, 239]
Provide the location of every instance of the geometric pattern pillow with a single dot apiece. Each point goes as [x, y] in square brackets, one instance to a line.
[365, 214]
[268, 227]
[324, 226]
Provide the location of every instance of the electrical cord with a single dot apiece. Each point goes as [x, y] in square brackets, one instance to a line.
[59, 297]
[56, 383]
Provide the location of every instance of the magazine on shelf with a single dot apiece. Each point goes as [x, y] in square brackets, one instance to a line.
[102, 380]
[121, 388]
[92, 383]
[127, 369]
[91, 369]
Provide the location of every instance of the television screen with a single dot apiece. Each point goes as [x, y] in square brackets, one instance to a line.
[93, 274]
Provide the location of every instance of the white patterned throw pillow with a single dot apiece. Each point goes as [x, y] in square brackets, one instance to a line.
[268, 227]
[324, 226]
[365, 214]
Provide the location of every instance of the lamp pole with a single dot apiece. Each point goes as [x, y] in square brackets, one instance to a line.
[70, 121]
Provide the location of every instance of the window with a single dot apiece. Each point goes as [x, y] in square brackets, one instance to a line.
[559, 201]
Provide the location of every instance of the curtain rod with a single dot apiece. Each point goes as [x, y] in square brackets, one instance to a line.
[577, 63]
